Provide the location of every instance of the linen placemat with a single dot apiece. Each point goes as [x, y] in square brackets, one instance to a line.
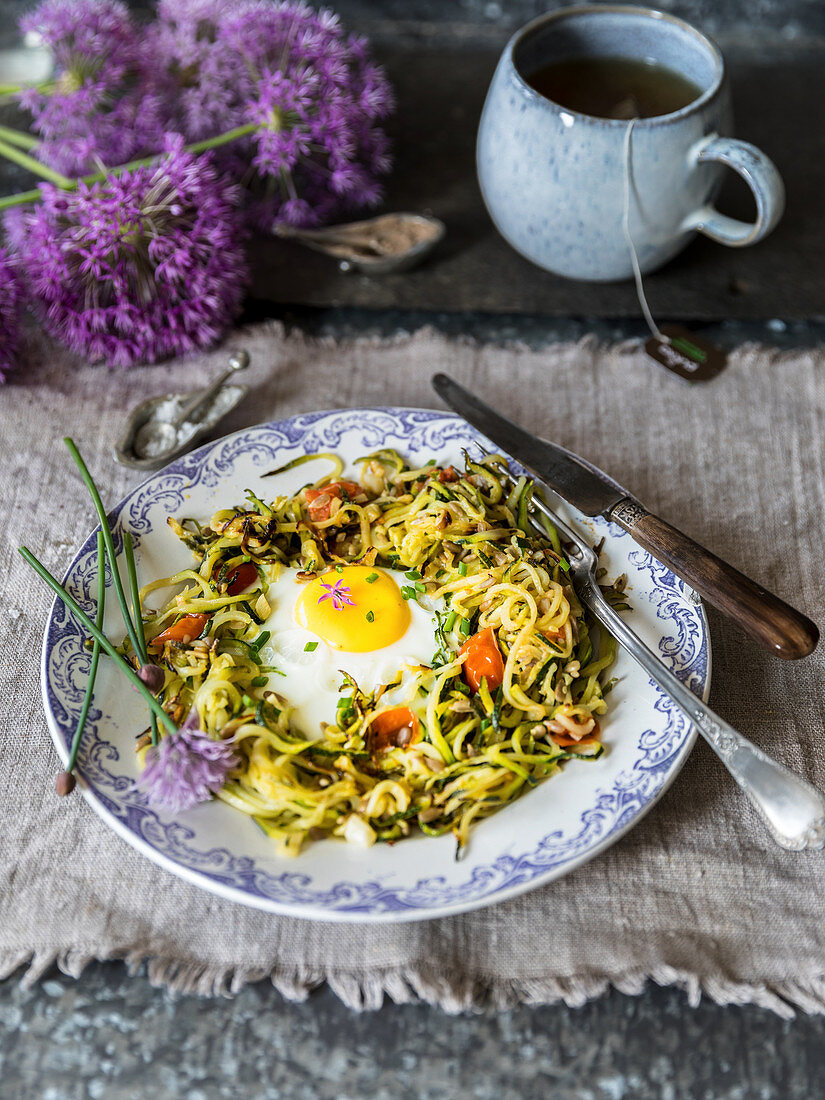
[697, 895]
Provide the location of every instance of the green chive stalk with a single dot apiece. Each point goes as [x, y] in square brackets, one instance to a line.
[65, 782]
[129, 551]
[108, 540]
[98, 636]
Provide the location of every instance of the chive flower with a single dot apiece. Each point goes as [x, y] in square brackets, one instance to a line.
[339, 593]
[186, 767]
[139, 266]
[11, 297]
[313, 94]
[104, 104]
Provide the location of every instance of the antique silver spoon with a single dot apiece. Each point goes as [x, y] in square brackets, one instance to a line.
[377, 246]
[165, 426]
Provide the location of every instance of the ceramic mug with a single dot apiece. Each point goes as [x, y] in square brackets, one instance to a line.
[554, 181]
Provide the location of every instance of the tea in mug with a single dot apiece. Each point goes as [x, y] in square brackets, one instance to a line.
[614, 87]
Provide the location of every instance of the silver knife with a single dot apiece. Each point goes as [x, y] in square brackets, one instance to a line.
[770, 621]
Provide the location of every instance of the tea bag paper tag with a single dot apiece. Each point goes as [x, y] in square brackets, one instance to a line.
[686, 354]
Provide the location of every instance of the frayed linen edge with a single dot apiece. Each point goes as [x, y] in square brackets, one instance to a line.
[427, 331]
[365, 992]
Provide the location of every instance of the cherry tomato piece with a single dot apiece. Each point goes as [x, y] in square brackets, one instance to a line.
[319, 500]
[393, 728]
[240, 578]
[483, 660]
[184, 630]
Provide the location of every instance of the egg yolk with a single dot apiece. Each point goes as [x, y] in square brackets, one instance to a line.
[357, 609]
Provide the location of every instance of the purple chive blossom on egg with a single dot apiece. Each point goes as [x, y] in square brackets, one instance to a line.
[186, 767]
[314, 94]
[11, 295]
[105, 105]
[338, 593]
[141, 266]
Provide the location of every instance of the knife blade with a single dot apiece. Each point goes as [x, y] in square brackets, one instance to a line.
[770, 621]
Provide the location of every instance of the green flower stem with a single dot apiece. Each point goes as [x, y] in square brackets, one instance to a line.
[10, 152]
[110, 545]
[195, 147]
[223, 139]
[90, 686]
[129, 551]
[17, 137]
[22, 198]
[25, 197]
[98, 636]
[44, 86]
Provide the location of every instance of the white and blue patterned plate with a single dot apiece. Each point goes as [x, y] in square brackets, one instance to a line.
[542, 836]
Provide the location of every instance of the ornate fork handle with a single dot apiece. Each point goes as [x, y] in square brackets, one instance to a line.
[792, 808]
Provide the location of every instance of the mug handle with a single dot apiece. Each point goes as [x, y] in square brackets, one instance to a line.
[759, 173]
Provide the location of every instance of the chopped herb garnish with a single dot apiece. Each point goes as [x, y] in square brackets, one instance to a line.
[372, 578]
[450, 621]
[310, 647]
[339, 569]
[464, 627]
[259, 681]
[462, 569]
[370, 617]
[407, 592]
[262, 639]
[413, 575]
[565, 564]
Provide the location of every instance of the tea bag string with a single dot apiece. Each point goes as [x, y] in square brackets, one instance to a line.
[634, 259]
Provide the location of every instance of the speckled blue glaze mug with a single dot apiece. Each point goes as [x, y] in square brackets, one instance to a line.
[553, 180]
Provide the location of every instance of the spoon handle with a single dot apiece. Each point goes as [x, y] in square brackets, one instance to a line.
[792, 809]
[239, 361]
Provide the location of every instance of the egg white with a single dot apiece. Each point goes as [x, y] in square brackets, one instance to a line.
[311, 678]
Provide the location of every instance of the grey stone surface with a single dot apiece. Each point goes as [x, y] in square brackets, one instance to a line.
[114, 1037]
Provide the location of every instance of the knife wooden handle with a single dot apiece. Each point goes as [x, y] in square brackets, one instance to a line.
[768, 620]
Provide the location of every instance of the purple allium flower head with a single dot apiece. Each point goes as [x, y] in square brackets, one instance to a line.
[106, 106]
[11, 297]
[140, 266]
[186, 767]
[314, 93]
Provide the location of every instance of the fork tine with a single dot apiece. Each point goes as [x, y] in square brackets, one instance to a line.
[540, 505]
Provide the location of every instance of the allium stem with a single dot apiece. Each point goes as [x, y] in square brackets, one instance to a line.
[129, 553]
[45, 86]
[195, 147]
[223, 139]
[10, 152]
[17, 137]
[24, 197]
[99, 636]
[90, 687]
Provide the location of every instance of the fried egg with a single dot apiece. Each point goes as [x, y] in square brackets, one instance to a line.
[353, 619]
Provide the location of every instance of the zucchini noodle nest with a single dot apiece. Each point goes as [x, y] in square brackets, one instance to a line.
[515, 687]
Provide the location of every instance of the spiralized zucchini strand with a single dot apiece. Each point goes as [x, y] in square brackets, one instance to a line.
[467, 748]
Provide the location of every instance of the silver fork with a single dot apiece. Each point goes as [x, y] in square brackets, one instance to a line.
[792, 808]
